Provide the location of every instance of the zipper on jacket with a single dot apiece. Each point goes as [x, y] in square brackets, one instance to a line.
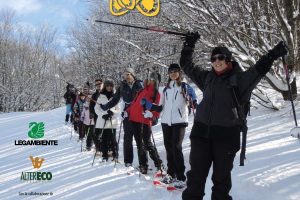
[176, 94]
[179, 113]
[211, 105]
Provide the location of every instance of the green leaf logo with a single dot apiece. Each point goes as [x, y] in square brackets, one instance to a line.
[36, 130]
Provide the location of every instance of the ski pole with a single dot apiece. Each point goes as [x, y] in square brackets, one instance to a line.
[118, 142]
[113, 141]
[289, 87]
[143, 28]
[71, 132]
[99, 138]
[154, 144]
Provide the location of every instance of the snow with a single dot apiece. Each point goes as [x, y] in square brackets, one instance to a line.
[271, 171]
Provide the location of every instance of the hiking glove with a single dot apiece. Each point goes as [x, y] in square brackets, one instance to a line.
[147, 104]
[148, 114]
[278, 51]
[191, 39]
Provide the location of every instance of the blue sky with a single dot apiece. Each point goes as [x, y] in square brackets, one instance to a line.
[59, 14]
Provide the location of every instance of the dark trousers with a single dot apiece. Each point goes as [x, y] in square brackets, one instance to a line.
[81, 130]
[89, 133]
[173, 137]
[128, 139]
[109, 143]
[142, 135]
[97, 141]
[204, 153]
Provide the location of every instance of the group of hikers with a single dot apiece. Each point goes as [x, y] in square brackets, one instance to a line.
[218, 120]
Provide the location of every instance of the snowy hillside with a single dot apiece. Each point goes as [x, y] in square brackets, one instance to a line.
[271, 171]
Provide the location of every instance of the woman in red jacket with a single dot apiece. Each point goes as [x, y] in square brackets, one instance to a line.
[142, 120]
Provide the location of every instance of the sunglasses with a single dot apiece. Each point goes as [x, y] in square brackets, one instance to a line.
[109, 86]
[219, 57]
[98, 84]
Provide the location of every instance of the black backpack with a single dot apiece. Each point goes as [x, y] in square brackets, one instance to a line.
[243, 109]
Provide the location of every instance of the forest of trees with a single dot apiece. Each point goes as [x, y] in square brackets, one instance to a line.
[29, 60]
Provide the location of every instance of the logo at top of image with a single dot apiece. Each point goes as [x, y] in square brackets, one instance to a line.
[36, 130]
[148, 8]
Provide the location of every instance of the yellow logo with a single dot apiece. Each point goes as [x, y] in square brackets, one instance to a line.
[148, 8]
[36, 162]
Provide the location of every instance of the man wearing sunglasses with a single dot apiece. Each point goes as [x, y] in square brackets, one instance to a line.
[127, 90]
[215, 135]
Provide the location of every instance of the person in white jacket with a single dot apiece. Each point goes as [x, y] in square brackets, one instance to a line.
[106, 124]
[174, 102]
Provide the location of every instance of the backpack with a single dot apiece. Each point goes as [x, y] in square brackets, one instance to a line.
[243, 109]
[190, 98]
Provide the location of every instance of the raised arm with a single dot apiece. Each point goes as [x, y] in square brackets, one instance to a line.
[196, 74]
[250, 78]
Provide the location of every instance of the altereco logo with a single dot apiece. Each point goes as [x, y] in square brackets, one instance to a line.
[36, 176]
[36, 131]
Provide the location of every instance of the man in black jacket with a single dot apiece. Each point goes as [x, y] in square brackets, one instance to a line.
[98, 86]
[70, 98]
[93, 115]
[215, 136]
[127, 90]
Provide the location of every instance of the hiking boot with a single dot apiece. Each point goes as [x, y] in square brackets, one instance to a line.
[161, 167]
[179, 184]
[128, 165]
[88, 148]
[168, 179]
[143, 169]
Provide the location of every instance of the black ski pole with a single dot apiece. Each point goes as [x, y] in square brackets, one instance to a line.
[289, 87]
[113, 141]
[155, 29]
[119, 136]
[99, 138]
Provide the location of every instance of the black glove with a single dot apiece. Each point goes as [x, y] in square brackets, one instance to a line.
[106, 117]
[278, 51]
[110, 113]
[191, 39]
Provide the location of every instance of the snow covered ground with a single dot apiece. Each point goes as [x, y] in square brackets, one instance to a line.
[271, 171]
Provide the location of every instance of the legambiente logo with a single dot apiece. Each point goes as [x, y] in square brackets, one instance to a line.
[36, 176]
[36, 131]
[148, 8]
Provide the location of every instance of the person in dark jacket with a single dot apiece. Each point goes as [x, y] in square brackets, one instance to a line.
[98, 86]
[215, 135]
[78, 109]
[127, 90]
[70, 98]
